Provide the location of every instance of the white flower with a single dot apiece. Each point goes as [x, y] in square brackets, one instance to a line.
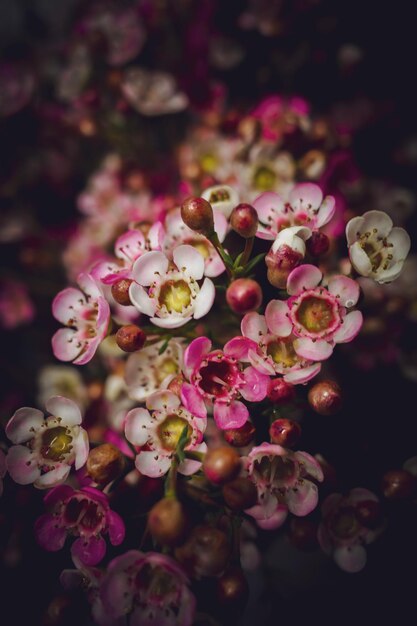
[221, 197]
[376, 249]
[62, 380]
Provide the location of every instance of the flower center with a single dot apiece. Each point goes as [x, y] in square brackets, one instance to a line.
[220, 195]
[170, 430]
[282, 352]
[56, 443]
[376, 249]
[264, 179]
[315, 314]
[344, 523]
[175, 295]
[166, 368]
[275, 470]
[208, 163]
[84, 513]
[218, 377]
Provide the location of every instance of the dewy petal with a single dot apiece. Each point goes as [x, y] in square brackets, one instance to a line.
[163, 400]
[152, 463]
[116, 528]
[303, 277]
[22, 425]
[90, 551]
[360, 260]
[253, 326]
[352, 323]
[193, 401]
[48, 534]
[256, 385]
[326, 211]
[351, 559]
[302, 499]
[140, 299]
[303, 374]
[21, 465]
[233, 415]
[53, 478]
[65, 409]
[313, 350]
[305, 195]
[239, 347]
[276, 316]
[268, 203]
[196, 351]
[345, 289]
[65, 344]
[136, 426]
[148, 266]
[204, 300]
[354, 229]
[188, 259]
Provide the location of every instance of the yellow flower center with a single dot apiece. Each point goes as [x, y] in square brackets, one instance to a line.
[282, 352]
[315, 314]
[169, 431]
[56, 443]
[166, 368]
[208, 163]
[175, 295]
[264, 179]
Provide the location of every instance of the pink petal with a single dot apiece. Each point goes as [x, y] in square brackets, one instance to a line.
[22, 425]
[309, 465]
[89, 286]
[189, 467]
[254, 326]
[21, 465]
[267, 204]
[147, 268]
[57, 494]
[90, 551]
[351, 559]
[220, 224]
[303, 277]
[352, 323]
[152, 463]
[305, 195]
[136, 426]
[205, 298]
[239, 347]
[195, 352]
[65, 344]
[163, 400]
[303, 499]
[116, 528]
[214, 266]
[53, 478]
[189, 260]
[173, 321]
[313, 350]
[345, 289]
[89, 350]
[261, 363]
[326, 211]
[256, 385]
[64, 408]
[274, 521]
[66, 303]
[48, 534]
[130, 245]
[233, 415]
[140, 299]
[303, 374]
[276, 316]
[193, 401]
[156, 235]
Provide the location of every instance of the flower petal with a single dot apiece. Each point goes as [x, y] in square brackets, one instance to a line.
[48, 534]
[354, 229]
[313, 350]
[152, 463]
[205, 298]
[233, 415]
[360, 260]
[268, 204]
[193, 401]
[81, 448]
[116, 528]
[401, 243]
[304, 196]
[303, 277]
[189, 260]
[239, 347]
[195, 352]
[351, 559]
[140, 299]
[326, 211]
[256, 385]
[253, 326]
[90, 551]
[345, 289]
[309, 465]
[66, 303]
[55, 477]
[352, 323]
[65, 345]
[136, 426]
[303, 374]
[149, 266]
[23, 424]
[164, 400]
[302, 499]
[276, 316]
[21, 465]
[64, 408]
[173, 321]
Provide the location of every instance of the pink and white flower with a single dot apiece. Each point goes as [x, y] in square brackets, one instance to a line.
[218, 379]
[376, 248]
[146, 589]
[305, 207]
[342, 534]
[153, 93]
[148, 371]
[278, 116]
[45, 449]
[159, 428]
[16, 306]
[282, 478]
[86, 314]
[172, 296]
[178, 233]
[268, 347]
[222, 198]
[84, 514]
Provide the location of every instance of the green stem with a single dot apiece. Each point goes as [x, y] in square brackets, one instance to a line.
[171, 481]
[247, 251]
[214, 239]
[194, 455]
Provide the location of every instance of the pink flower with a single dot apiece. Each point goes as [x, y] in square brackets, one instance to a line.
[160, 430]
[84, 514]
[178, 233]
[282, 478]
[342, 534]
[173, 296]
[305, 207]
[45, 449]
[278, 116]
[86, 314]
[147, 589]
[16, 307]
[269, 348]
[215, 377]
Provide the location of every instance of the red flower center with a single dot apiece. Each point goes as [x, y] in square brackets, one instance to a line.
[218, 377]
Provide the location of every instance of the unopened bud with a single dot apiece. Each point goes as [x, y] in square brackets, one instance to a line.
[240, 494]
[280, 392]
[120, 291]
[221, 465]
[105, 463]
[284, 432]
[398, 485]
[286, 253]
[167, 522]
[325, 398]
[240, 437]
[244, 295]
[244, 220]
[197, 214]
[232, 589]
[130, 338]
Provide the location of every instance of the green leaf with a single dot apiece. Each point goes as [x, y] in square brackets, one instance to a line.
[249, 267]
[164, 345]
[182, 442]
[238, 259]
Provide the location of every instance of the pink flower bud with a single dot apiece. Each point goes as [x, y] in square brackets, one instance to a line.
[244, 220]
[244, 295]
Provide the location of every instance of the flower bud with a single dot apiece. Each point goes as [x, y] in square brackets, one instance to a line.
[105, 463]
[167, 522]
[197, 214]
[206, 553]
[244, 295]
[120, 291]
[280, 392]
[368, 513]
[130, 338]
[240, 437]
[284, 432]
[398, 485]
[221, 465]
[232, 588]
[318, 244]
[240, 494]
[325, 397]
[302, 533]
[244, 220]
[286, 253]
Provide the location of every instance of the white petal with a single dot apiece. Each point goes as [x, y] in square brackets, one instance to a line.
[22, 426]
[22, 465]
[136, 426]
[360, 260]
[152, 463]
[204, 300]
[173, 321]
[149, 266]
[64, 408]
[307, 348]
[189, 260]
[163, 400]
[354, 230]
[139, 297]
[52, 478]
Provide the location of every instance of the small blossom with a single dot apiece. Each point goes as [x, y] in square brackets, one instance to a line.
[84, 514]
[342, 534]
[305, 207]
[86, 314]
[279, 117]
[217, 377]
[16, 307]
[159, 429]
[45, 449]
[62, 380]
[222, 198]
[173, 296]
[282, 478]
[146, 588]
[376, 248]
[153, 93]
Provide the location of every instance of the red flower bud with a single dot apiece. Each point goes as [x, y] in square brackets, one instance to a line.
[325, 397]
[232, 589]
[398, 485]
[221, 465]
[244, 295]
[244, 220]
[130, 338]
[105, 463]
[197, 214]
[280, 392]
[240, 437]
[120, 291]
[280, 264]
[285, 432]
[240, 494]
[167, 522]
